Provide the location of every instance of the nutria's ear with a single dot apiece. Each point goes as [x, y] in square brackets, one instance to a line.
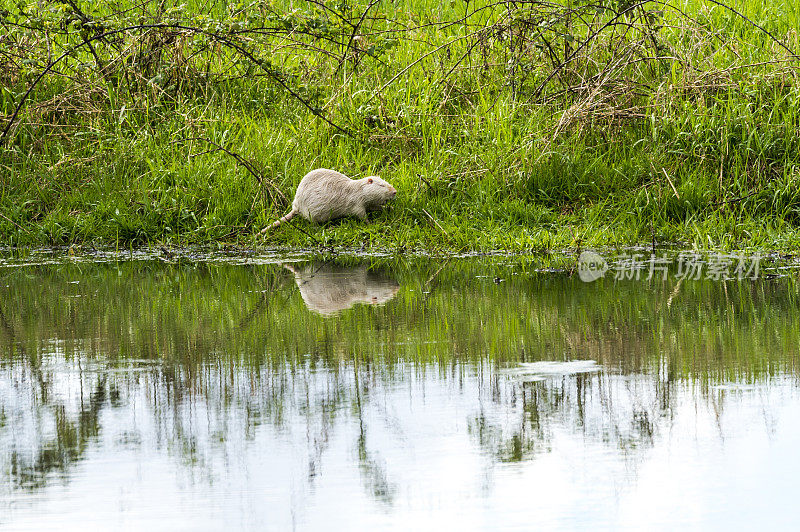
[369, 180]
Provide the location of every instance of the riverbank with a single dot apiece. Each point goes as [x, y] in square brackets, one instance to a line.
[521, 128]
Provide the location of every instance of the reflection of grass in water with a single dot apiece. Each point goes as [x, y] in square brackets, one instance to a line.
[240, 338]
[254, 315]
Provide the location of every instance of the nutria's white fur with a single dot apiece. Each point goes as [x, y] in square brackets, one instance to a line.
[324, 194]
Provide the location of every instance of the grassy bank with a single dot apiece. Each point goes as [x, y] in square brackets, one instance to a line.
[503, 126]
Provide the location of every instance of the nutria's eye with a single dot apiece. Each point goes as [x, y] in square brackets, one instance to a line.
[369, 180]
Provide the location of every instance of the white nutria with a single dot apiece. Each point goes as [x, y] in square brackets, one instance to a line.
[324, 194]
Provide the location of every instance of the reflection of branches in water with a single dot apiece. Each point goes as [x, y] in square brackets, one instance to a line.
[517, 446]
[206, 416]
[62, 419]
[29, 467]
[604, 409]
[197, 414]
[319, 442]
[373, 473]
[31, 463]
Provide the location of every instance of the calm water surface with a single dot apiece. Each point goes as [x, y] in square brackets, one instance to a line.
[364, 394]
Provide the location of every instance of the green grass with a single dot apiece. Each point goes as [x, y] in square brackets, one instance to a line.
[699, 147]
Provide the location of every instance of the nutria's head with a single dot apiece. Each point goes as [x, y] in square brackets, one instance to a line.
[377, 191]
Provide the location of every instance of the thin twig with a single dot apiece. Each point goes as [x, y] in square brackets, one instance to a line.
[675, 190]
[239, 159]
[734, 200]
[218, 37]
[435, 222]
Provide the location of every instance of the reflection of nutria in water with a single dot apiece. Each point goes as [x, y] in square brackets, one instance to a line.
[324, 194]
[328, 289]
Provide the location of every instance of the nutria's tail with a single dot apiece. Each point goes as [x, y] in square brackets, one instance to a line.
[286, 218]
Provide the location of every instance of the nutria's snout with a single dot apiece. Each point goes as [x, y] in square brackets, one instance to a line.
[393, 191]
